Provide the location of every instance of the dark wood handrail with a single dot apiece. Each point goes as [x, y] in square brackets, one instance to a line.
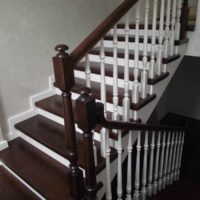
[130, 125]
[94, 37]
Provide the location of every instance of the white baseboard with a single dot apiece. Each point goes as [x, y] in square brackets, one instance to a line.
[3, 145]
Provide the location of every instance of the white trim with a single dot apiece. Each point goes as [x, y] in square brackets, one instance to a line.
[31, 111]
[22, 181]
[3, 145]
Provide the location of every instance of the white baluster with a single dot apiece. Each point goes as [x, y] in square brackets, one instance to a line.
[155, 185]
[95, 151]
[129, 168]
[178, 24]
[178, 155]
[137, 170]
[160, 182]
[115, 75]
[126, 109]
[174, 159]
[135, 89]
[153, 40]
[145, 43]
[108, 176]
[126, 100]
[161, 36]
[167, 34]
[103, 95]
[173, 22]
[170, 159]
[181, 153]
[166, 161]
[144, 173]
[87, 71]
[150, 177]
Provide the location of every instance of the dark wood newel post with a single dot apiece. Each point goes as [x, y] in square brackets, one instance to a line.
[64, 80]
[184, 19]
[86, 119]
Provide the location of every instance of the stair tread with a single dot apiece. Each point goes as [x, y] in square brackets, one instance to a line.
[96, 69]
[121, 38]
[18, 191]
[47, 176]
[120, 53]
[132, 26]
[52, 135]
[95, 88]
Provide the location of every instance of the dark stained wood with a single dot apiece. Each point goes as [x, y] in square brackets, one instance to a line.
[190, 27]
[86, 120]
[157, 78]
[44, 174]
[171, 59]
[120, 53]
[12, 189]
[101, 30]
[52, 135]
[184, 19]
[132, 26]
[180, 42]
[121, 38]
[64, 80]
[129, 125]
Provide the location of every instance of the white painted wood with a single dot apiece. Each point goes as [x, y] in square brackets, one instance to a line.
[3, 143]
[108, 173]
[153, 40]
[160, 181]
[170, 159]
[155, 184]
[181, 153]
[178, 155]
[144, 60]
[167, 33]
[166, 161]
[144, 172]
[137, 170]
[173, 23]
[87, 71]
[178, 24]
[150, 177]
[103, 96]
[115, 75]
[161, 36]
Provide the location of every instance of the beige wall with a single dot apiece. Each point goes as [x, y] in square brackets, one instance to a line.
[28, 33]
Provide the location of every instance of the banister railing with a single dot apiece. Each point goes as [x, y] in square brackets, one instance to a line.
[136, 88]
[166, 145]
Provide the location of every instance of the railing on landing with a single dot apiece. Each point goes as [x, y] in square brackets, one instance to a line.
[136, 86]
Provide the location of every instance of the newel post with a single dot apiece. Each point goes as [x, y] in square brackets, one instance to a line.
[86, 120]
[184, 19]
[64, 80]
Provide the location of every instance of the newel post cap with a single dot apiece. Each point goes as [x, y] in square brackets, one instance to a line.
[61, 48]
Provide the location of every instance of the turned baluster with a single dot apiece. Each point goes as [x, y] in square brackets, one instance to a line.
[160, 182]
[153, 41]
[135, 89]
[86, 120]
[64, 80]
[87, 71]
[184, 19]
[145, 43]
[150, 177]
[155, 185]
[167, 34]
[137, 170]
[161, 37]
[144, 173]
[178, 23]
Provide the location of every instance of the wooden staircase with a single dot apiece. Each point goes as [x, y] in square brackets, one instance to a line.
[52, 157]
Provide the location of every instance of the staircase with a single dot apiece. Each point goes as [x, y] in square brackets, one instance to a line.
[75, 140]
